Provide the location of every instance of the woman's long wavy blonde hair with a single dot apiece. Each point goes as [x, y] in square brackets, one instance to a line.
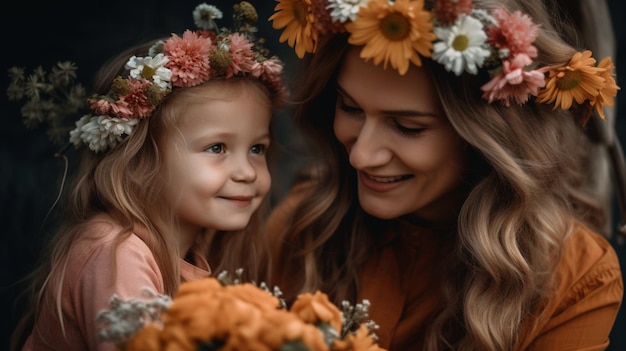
[129, 183]
[530, 188]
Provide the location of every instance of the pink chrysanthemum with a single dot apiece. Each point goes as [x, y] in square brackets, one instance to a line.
[136, 100]
[117, 108]
[515, 82]
[515, 32]
[241, 54]
[271, 73]
[189, 58]
[207, 34]
[448, 11]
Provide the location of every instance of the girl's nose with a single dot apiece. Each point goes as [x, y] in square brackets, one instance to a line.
[243, 170]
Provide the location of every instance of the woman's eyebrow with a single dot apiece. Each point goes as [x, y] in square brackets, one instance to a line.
[398, 113]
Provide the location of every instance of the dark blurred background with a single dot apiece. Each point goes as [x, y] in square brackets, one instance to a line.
[88, 33]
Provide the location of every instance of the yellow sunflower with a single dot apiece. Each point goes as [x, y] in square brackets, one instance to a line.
[393, 33]
[606, 95]
[578, 81]
[297, 18]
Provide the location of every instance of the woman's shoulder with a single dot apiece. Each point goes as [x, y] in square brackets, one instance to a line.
[586, 250]
[589, 290]
[589, 263]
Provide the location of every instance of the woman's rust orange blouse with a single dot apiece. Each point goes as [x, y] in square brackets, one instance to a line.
[578, 317]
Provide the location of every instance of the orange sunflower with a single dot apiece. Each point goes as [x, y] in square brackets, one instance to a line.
[296, 16]
[606, 95]
[578, 81]
[393, 33]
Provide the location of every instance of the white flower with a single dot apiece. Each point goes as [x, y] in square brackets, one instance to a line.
[156, 48]
[151, 68]
[344, 10]
[485, 17]
[204, 15]
[101, 132]
[75, 134]
[461, 46]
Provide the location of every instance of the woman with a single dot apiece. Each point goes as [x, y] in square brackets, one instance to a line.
[449, 188]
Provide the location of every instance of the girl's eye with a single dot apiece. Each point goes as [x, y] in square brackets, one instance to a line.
[408, 131]
[216, 148]
[258, 149]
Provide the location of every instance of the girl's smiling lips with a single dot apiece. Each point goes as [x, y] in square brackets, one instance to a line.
[239, 201]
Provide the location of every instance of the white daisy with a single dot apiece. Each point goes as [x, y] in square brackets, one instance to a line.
[204, 16]
[461, 46]
[344, 10]
[151, 68]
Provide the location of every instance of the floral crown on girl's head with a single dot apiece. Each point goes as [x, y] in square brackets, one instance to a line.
[456, 35]
[177, 62]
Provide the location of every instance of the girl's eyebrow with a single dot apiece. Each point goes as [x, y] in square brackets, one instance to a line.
[398, 113]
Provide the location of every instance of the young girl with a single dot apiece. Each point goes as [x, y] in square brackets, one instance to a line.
[450, 186]
[175, 171]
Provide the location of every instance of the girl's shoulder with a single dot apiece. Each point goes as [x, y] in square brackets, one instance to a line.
[102, 240]
[106, 249]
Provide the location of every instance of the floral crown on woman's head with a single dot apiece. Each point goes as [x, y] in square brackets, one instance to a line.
[456, 35]
[177, 62]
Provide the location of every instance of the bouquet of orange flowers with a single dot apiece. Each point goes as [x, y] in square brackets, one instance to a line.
[225, 314]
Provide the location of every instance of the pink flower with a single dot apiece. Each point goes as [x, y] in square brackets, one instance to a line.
[272, 71]
[448, 11]
[241, 54]
[515, 82]
[516, 32]
[136, 100]
[118, 108]
[188, 58]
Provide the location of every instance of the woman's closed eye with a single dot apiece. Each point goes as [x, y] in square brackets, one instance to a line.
[348, 108]
[408, 131]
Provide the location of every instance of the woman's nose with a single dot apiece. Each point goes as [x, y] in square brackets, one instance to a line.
[369, 149]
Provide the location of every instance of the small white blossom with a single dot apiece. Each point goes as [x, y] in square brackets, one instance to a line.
[151, 68]
[204, 16]
[485, 17]
[156, 48]
[75, 134]
[101, 132]
[344, 10]
[124, 318]
[461, 46]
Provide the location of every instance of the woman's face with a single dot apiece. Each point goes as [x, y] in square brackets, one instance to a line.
[409, 160]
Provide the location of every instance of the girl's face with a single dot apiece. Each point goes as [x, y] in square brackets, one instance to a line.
[409, 160]
[219, 173]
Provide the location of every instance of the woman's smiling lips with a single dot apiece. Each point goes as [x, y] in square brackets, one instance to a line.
[381, 184]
